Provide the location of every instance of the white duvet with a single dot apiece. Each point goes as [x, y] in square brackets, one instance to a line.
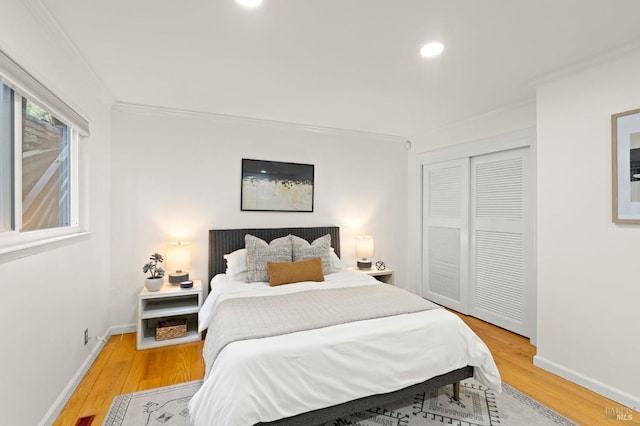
[266, 379]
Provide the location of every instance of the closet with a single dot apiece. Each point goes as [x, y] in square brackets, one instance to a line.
[477, 228]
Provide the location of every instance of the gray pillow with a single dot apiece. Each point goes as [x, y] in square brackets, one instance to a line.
[320, 247]
[259, 253]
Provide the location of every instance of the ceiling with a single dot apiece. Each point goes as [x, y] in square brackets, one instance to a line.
[347, 64]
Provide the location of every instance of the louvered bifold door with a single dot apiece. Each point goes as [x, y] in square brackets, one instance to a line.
[501, 250]
[445, 227]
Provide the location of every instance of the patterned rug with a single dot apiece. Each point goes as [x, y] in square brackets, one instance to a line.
[478, 406]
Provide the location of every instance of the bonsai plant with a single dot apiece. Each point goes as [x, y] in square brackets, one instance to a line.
[154, 280]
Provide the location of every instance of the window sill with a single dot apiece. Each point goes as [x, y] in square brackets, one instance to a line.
[8, 254]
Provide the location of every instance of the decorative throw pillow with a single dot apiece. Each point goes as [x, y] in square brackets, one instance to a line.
[320, 247]
[295, 272]
[259, 253]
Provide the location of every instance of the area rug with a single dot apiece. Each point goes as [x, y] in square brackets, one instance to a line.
[478, 406]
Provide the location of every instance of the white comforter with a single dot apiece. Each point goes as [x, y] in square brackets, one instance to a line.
[261, 380]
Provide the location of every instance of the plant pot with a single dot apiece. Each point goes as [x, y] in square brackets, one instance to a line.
[154, 284]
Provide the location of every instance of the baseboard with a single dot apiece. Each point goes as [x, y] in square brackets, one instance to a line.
[603, 389]
[66, 393]
[122, 329]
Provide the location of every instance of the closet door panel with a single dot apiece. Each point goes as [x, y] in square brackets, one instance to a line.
[500, 239]
[446, 233]
[499, 281]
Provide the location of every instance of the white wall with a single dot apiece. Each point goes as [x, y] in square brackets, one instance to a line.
[175, 176]
[498, 122]
[588, 267]
[49, 299]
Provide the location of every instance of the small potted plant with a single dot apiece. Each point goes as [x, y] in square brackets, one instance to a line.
[154, 281]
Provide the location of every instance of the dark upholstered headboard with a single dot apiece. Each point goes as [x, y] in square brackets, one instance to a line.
[223, 241]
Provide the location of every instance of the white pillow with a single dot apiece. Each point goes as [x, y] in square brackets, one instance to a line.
[236, 262]
[336, 263]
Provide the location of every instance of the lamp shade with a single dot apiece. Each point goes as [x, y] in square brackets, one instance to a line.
[178, 260]
[364, 251]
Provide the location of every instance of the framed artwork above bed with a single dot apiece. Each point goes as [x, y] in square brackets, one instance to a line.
[276, 186]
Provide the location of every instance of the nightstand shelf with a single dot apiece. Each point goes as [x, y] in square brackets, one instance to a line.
[170, 302]
[153, 308]
[147, 339]
[385, 276]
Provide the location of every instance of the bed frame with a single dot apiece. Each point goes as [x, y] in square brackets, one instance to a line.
[223, 241]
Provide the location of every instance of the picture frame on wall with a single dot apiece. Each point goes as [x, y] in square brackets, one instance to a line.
[625, 130]
[276, 186]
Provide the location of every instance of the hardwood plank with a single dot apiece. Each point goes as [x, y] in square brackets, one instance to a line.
[514, 354]
[120, 368]
[74, 408]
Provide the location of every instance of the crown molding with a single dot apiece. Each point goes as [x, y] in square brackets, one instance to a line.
[586, 63]
[224, 118]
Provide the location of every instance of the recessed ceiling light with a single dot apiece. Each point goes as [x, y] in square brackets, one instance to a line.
[250, 3]
[430, 50]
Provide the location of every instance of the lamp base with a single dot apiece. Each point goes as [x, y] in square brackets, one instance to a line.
[364, 265]
[178, 276]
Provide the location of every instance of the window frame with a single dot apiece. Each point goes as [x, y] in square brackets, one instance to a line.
[16, 243]
[7, 211]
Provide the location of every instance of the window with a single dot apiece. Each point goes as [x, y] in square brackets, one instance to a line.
[39, 180]
[44, 175]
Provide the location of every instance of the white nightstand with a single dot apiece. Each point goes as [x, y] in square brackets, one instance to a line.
[170, 302]
[385, 276]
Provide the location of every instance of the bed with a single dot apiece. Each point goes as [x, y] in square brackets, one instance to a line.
[313, 376]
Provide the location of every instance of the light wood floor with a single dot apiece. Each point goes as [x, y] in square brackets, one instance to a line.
[120, 368]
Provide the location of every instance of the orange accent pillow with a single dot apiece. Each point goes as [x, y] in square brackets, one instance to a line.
[295, 272]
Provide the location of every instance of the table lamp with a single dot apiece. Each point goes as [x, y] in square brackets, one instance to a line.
[178, 260]
[364, 251]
